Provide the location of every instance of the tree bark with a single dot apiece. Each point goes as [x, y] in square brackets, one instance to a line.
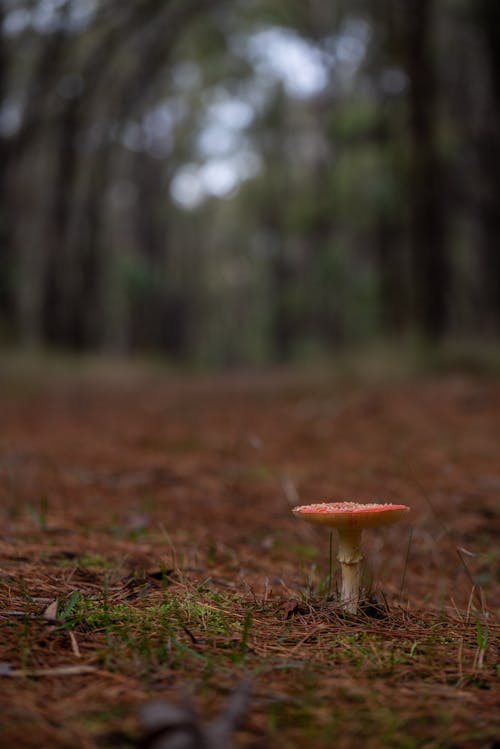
[392, 282]
[488, 19]
[430, 267]
[5, 239]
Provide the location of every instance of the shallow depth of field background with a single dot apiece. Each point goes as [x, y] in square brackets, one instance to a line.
[237, 183]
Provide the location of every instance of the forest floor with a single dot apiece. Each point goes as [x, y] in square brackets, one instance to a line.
[155, 511]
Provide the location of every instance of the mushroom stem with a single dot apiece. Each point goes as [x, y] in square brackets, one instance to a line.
[350, 558]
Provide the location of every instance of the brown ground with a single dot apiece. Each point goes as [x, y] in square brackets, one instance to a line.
[158, 492]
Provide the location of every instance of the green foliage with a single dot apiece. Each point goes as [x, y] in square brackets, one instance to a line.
[482, 634]
[172, 613]
[243, 647]
[85, 560]
[69, 605]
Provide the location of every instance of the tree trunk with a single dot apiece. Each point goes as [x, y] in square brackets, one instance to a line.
[89, 324]
[284, 325]
[488, 18]
[389, 248]
[57, 287]
[427, 223]
[6, 254]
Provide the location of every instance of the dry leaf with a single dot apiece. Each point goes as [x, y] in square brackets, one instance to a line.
[50, 613]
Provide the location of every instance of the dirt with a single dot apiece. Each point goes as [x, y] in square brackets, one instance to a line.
[165, 503]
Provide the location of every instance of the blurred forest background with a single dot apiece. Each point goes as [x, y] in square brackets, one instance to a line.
[231, 182]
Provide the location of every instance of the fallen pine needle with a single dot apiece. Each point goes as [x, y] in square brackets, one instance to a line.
[74, 645]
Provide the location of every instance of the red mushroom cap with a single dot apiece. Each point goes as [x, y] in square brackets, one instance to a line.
[351, 514]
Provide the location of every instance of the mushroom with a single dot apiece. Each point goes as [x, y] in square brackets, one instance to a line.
[350, 519]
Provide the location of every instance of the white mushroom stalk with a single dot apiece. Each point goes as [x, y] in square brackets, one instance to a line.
[351, 561]
[350, 519]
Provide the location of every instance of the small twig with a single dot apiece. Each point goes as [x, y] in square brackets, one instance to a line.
[407, 555]
[290, 490]
[469, 605]
[460, 658]
[189, 634]
[171, 544]
[74, 644]
[330, 565]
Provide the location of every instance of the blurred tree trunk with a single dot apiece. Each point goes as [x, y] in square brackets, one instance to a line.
[58, 285]
[393, 303]
[148, 307]
[391, 247]
[160, 315]
[5, 239]
[284, 328]
[88, 330]
[428, 206]
[488, 19]
[37, 114]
